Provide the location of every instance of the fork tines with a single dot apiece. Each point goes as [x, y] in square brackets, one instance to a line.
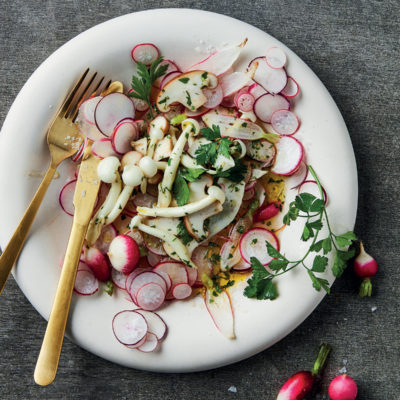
[87, 85]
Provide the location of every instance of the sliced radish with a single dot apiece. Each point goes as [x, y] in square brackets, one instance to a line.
[155, 323]
[82, 266]
[214, 97]
[245, 102]
[78, 155]
[97, 262]
[253, 244]
[112, 109]
[257, 90]
[285, 122]
[176, 271]
[124, 254]
[260, 193]
[241, 266]
[129, 327]
[167, 78]
[267, 212]
[145, 53]
[153, 244]
[153, 258]
[138, 344]
[312, 188]
[150, 297]
[86, 283]
[118, 278]
[143, 279]
[289, 153]
[103, 148]
[136, 236]
[181, 291]
[228, 102]
[123, 135]
[172, 67]
[166, 277]
[108, 233]
[204, 265]
[140, 105]
[220, 61]
[249, 194]
[229, 255]
[66, 197]
[242, 225]
[133, 275]
[291, 89]
[273, 80]
[261, 150]
[150, 344]
[87, 109]
[192, 275]
[267, 104]
[232, 83]
[221, 312]
[298, 177]
[276, 57]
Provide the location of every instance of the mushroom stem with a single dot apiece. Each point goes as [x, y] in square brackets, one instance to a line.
[172, 240]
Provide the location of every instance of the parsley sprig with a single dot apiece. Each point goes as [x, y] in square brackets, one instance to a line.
[261, 285]
[143, 83]
[180, 188]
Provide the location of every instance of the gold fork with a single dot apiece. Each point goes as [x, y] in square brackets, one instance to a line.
[64, 140]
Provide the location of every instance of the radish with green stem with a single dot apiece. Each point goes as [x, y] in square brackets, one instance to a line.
[342, 388]
[301, 383]
[365, 267]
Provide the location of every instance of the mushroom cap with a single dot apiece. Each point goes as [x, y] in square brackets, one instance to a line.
[217, 193]
[158, 127]
[195, 125]
[107, 169]
[148, 166]
[132, 175]
[131, 157]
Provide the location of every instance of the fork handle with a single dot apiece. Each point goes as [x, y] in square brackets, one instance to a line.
[14, 247]
[47, 363]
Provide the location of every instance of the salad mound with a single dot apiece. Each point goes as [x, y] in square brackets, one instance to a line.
[192, 170]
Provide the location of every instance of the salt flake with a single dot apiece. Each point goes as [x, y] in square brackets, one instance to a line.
[232, 389]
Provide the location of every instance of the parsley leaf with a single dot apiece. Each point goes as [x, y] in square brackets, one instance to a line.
[346, 239]
[340, 261]
[142, 84]
[211, 133]
[260, 285]
[319, 283]
[235, 174]
[206, 154]
[192, 174]
[183, 233]
[319, 264]
[180, 189]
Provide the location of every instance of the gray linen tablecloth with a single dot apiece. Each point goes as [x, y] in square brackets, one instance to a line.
[353, 46]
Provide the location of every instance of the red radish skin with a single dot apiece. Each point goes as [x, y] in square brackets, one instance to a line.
[86, 283]
[301, 383]
[97, 262]
[309, 186]
[129, 327]
[124, 254]
[343, 387]
[78, 155]
[291, 89]
[365, 266]
[192, 275]
[146, 53]
[267, 212]
[66, 197]
[289, 153]
[150, 297]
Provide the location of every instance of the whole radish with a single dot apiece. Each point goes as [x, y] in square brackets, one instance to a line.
[342, 388]
[124, 254]
[97, 262]
[301, 383]
[365, 267]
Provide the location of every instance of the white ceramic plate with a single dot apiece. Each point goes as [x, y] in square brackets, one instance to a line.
[192, 342]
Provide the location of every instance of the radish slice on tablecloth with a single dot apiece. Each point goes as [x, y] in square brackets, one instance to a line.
[289, 153]
[221, 312]
[252, 244]
[145, 53]
[267, 104]
[88, 107]
[112, 109]
[150, 344]
[150, 296]
[273, 80]
[285, 122]
[181, 291]
[129, 327]
[291, 89]
[124, 133]
[155, 323]
[118, 278]
[86, 283]
[103, 148]
[276, 57]
[66, 197]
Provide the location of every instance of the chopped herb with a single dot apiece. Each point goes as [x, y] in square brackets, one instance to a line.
[204, 76]
[215, 258]
[235, 174]
[184, 80]
[109, 289]
[142, 84]
[183, 233]
[188, 98]
[254, 241]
